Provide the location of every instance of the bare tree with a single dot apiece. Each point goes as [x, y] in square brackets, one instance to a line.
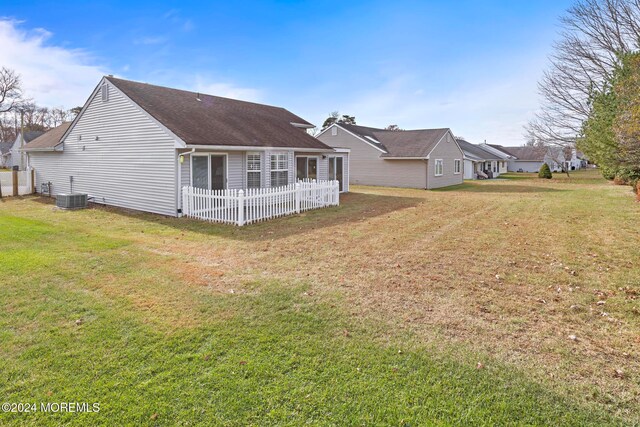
[10, 90]
[393, 127]
[595, 34]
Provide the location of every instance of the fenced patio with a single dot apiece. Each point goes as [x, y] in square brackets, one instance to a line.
[241, 207]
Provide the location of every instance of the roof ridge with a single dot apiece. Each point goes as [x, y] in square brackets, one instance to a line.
[111, 78]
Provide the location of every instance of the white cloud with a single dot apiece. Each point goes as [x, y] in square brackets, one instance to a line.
[493, 110]
[51, 75]
[227, 90]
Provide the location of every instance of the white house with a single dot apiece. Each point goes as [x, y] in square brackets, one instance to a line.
[135, 145]
[425, 158]
[531, 158]
[14, 157]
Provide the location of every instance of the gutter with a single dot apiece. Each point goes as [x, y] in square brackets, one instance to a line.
[253, 148]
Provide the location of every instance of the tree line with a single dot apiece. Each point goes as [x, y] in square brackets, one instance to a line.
[18, 111]
[591, 91]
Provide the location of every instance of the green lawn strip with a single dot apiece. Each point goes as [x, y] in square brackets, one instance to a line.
[280, 360]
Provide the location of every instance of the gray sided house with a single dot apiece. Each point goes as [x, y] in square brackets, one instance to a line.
[135, 145]
[480, 163]
[426, 159]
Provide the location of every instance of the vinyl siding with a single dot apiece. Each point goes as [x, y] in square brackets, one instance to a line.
[515, 166]
[448, 151]
[367, 168]
[132, 164]
[236, 167]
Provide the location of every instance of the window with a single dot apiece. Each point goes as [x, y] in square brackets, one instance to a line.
[335, 170]
[208, 171]
[279, 170]
[439, 167]
[334, 131]
[457, 163]
[200, 172]
[253, 170]
[306, 168]
[104, 92]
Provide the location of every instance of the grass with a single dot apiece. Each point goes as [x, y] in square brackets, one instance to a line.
[375, 312]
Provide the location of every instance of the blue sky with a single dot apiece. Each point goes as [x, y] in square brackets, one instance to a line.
[468, 65]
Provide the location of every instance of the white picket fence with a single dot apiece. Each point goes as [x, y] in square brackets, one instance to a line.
[242, 207]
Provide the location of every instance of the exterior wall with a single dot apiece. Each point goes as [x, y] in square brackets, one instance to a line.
[469, 169]
[117, 155]
[503, 166]
[323, 166]
[516, 165]
[237, 167]
[367, 168]
[448, 151]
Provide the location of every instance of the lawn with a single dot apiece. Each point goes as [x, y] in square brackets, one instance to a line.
[490, 303]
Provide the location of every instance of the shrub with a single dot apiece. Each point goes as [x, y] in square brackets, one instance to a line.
[545, 172]
[608, 172]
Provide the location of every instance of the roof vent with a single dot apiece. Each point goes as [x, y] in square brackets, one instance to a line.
[198, 97]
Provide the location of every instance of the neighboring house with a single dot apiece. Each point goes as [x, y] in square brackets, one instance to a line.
[531, 158]
[135, 145]
[14, 157]
[480, 163]
[428, 158]
[5, 154]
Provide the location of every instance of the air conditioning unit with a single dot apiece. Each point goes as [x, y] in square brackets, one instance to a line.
[71, 201]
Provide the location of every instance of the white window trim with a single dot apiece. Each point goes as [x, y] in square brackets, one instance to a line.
[209, 155]
[435, 171]
[259, 171]
[458, 163]
[271, 170]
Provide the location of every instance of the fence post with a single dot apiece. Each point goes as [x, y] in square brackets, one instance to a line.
[33, 180]
[241, 208]
[14, 178]
[297, 197]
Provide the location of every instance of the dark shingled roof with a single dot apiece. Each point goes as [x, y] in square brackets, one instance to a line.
[5, 147]
[31, 135]
[534, 154]
[476, 151]
[48, 140]
[200, 119]
[400, 143]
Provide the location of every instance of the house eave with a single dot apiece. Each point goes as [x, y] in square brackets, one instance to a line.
[36, 150]
[255, 148]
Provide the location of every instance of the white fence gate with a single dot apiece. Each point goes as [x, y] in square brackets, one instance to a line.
[242, 207]
[20, 182]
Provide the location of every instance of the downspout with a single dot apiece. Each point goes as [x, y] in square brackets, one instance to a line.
[180, 160]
